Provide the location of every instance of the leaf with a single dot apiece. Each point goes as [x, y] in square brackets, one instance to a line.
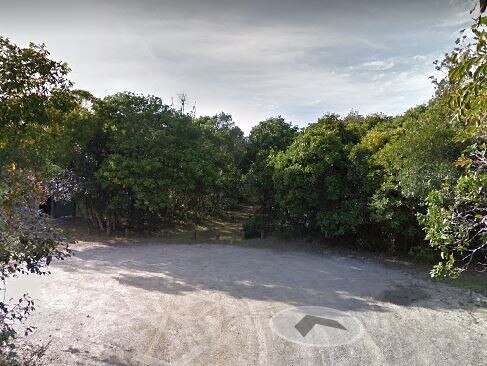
[463, 161]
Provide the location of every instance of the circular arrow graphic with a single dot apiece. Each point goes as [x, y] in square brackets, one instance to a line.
[309, 321]
[316, 326]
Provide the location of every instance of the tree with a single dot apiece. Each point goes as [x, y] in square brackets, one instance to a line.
[225, 143]
[269, 137]
[311, 180]
[142, 163]
[399, 161]
[456, 220]
[32, 86]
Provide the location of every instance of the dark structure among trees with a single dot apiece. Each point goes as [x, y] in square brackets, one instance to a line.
[57, 209]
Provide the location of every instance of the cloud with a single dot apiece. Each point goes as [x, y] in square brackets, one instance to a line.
[253, 58]
[374, 66]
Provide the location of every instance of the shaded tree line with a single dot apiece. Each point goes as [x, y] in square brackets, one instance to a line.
[413, 183]
[134, 163]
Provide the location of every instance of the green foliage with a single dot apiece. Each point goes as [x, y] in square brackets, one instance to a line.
[456, 225]
[135, 163]
[156, 163]
[400, 161]
[422, 156]
[33, 88]
[225, 144]
[266, 139]
[312, 183]
[422, 253]
[30, 83]
[456, 219]
[273, 134]
[254, 226]
[132, 162]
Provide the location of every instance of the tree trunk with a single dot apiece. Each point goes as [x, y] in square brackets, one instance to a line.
[99, 220]
[109, 227]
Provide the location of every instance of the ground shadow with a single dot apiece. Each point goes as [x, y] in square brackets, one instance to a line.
[261, 274]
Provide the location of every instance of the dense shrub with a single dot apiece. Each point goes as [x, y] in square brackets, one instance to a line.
[33, 91]
[254, 227]
[456, 219]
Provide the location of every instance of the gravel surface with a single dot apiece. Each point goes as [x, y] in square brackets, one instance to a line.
[208, 304]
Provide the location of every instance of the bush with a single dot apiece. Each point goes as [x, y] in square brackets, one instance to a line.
[254, 227]
[423, 254]
[456, 224]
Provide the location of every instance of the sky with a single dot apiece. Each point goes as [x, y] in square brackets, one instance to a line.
[252, 59]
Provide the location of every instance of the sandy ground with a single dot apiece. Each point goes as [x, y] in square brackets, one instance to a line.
[157, 304]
